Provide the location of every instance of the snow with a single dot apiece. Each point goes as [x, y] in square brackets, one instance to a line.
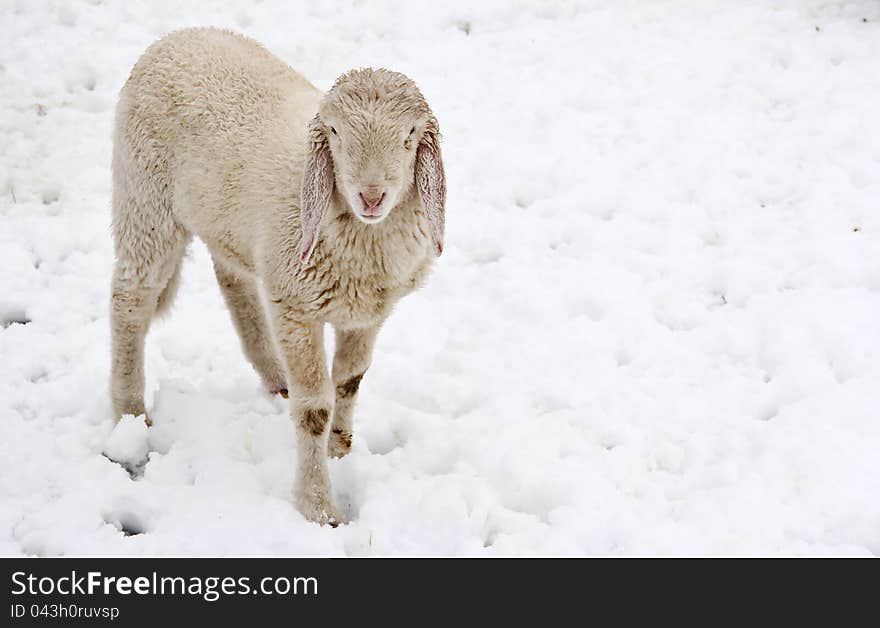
[129, 444]
[653, 330]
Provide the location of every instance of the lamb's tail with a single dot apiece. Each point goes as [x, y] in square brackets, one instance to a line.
[166, 297]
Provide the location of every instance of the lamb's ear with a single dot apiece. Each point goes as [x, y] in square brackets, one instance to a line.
[431, 183]
[317, 187]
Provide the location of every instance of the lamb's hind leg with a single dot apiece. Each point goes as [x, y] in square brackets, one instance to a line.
[148, 255]
[250, 321]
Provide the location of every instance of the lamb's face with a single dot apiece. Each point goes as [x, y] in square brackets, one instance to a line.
[374, 140]
[373, 161]
[374, 121]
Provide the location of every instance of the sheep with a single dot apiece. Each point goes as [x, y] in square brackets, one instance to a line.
[315, 209]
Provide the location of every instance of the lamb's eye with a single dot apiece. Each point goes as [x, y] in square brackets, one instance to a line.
[412, 130]
[332, 130]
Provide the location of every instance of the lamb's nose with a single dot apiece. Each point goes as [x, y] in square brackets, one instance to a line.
[372, 198]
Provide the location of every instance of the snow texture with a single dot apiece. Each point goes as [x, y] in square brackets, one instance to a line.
[654, 329]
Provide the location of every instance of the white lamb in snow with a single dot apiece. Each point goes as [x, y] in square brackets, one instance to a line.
[315, 209]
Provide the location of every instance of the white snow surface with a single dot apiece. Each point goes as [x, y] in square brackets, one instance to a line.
[654, 329]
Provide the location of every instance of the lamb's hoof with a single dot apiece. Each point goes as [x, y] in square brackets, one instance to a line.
[339, 443]
[280, 391]
[135, 412]
[134, 469]
[321, 511]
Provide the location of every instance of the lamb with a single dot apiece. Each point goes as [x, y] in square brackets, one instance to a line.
[315, 209]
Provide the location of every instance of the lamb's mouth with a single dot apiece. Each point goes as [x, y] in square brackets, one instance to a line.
[372, 215]
[371, 219]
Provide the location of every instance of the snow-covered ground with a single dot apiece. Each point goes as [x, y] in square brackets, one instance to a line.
[654, 329]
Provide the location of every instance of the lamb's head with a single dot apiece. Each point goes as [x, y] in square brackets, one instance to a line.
[375, 139]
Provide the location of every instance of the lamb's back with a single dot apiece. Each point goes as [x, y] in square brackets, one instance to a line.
[210, 84]
[219, 122]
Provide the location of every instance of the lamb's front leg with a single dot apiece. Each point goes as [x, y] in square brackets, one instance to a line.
[311, 401]
[354, 351]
